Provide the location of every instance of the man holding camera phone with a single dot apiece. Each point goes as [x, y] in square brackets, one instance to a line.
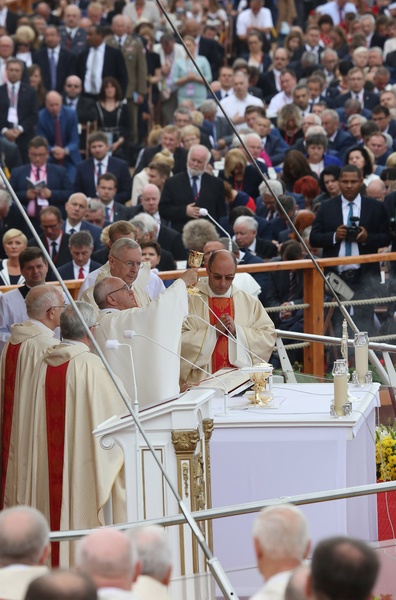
[352, 225]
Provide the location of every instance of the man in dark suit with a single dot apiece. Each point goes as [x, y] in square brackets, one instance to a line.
[330, 232]
[368, 24]
[245, 232]
[356, 83]
[99, 163]
[381, 115]
[339, 141]
[76, 208]
[170, 140]
[99, 61]
[19, 108]
[168, 238]
[73, 37]
[185, 194]
[85, 107]
[58, 124]
[8, 19]
[273, 145]
[380, 145]
[55, 62]
[81, 248]
[226, 79]
[147, 228]
[218, 129]
[106, 191]
[53, 238]
[56, 188]
[312, 43]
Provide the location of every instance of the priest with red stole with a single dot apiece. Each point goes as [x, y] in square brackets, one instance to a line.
[71, 476]
[240, 331]
[29, 340]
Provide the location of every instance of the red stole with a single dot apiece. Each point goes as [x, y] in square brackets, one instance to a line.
[55, 403]
[219, 306]
[8, 410]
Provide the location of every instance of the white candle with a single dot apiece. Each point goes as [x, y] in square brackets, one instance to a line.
[361, 362]
[340, 393]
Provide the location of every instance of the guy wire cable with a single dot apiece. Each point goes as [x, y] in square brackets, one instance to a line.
[213, 562]
[342, 308]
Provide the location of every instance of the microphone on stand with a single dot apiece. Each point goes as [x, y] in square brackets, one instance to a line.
[130, 334]
[203, 212]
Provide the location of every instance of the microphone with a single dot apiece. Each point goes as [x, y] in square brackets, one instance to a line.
[130, 334]
[203, 212]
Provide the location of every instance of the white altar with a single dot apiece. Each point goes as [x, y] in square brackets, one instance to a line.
[293, 448]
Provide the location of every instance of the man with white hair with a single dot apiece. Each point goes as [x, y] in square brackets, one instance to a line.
[28, 342]
[24, 549]
[245, 232]
[110, 559]
[281, 542]
[155, 557]
[72, 393]
[147, 230]
[368, 25]
[266, 203]
[161, 321]
[185, 194]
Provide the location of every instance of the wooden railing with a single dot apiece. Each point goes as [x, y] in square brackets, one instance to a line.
[313, 294]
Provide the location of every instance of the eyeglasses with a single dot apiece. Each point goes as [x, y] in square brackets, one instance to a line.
[130, 263]
[61, 306]
[50, 226]
[124, 287]
[218, 277]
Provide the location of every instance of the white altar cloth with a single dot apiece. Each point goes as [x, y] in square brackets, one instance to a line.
[260, 454]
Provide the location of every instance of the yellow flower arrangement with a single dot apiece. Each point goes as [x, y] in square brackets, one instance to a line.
[385, 446]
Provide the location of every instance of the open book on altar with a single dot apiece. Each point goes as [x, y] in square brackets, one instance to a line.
[235, 381]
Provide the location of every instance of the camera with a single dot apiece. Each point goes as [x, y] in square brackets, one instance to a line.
[353, 231]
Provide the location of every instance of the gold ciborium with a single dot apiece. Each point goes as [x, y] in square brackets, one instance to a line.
[259, 375]
[194, 260]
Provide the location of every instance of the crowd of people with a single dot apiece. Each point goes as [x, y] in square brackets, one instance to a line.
[138, 564]
[122, 159]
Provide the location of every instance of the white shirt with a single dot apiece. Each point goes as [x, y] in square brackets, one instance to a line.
[3, 16]
[233, 105]
[104, 161]
[69, 227]
[85, 268]
[332, 9]
[50, 246]
[56, 53]
[277, 102]
[96, 55]
[263, 20]
[357, 204]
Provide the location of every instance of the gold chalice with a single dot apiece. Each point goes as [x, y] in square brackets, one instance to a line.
[259, 375]
[194, 260]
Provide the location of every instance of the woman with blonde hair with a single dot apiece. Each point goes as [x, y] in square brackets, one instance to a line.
[190, 135]
[290, 123]
[239, 174]
[14, 241]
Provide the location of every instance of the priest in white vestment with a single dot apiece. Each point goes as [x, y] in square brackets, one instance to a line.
[156, 361]
[125, 261]
[231, 328]
[72, 477]
[29, 340]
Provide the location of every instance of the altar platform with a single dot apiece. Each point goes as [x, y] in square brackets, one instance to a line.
[296, 447]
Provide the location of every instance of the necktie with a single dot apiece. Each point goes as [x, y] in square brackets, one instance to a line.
[72, 231]
[53, 250]
[37, 174]
[120, 42]
[107, 210]
[12, 99]
[53, 70]
[292, 286]
[99, 169]
[58, 137]
[81, 273]
[348, 245]
[93, 72]
[68, 41]
[195, 187]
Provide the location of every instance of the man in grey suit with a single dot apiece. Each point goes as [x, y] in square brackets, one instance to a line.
[73, 37]
[218, 129]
